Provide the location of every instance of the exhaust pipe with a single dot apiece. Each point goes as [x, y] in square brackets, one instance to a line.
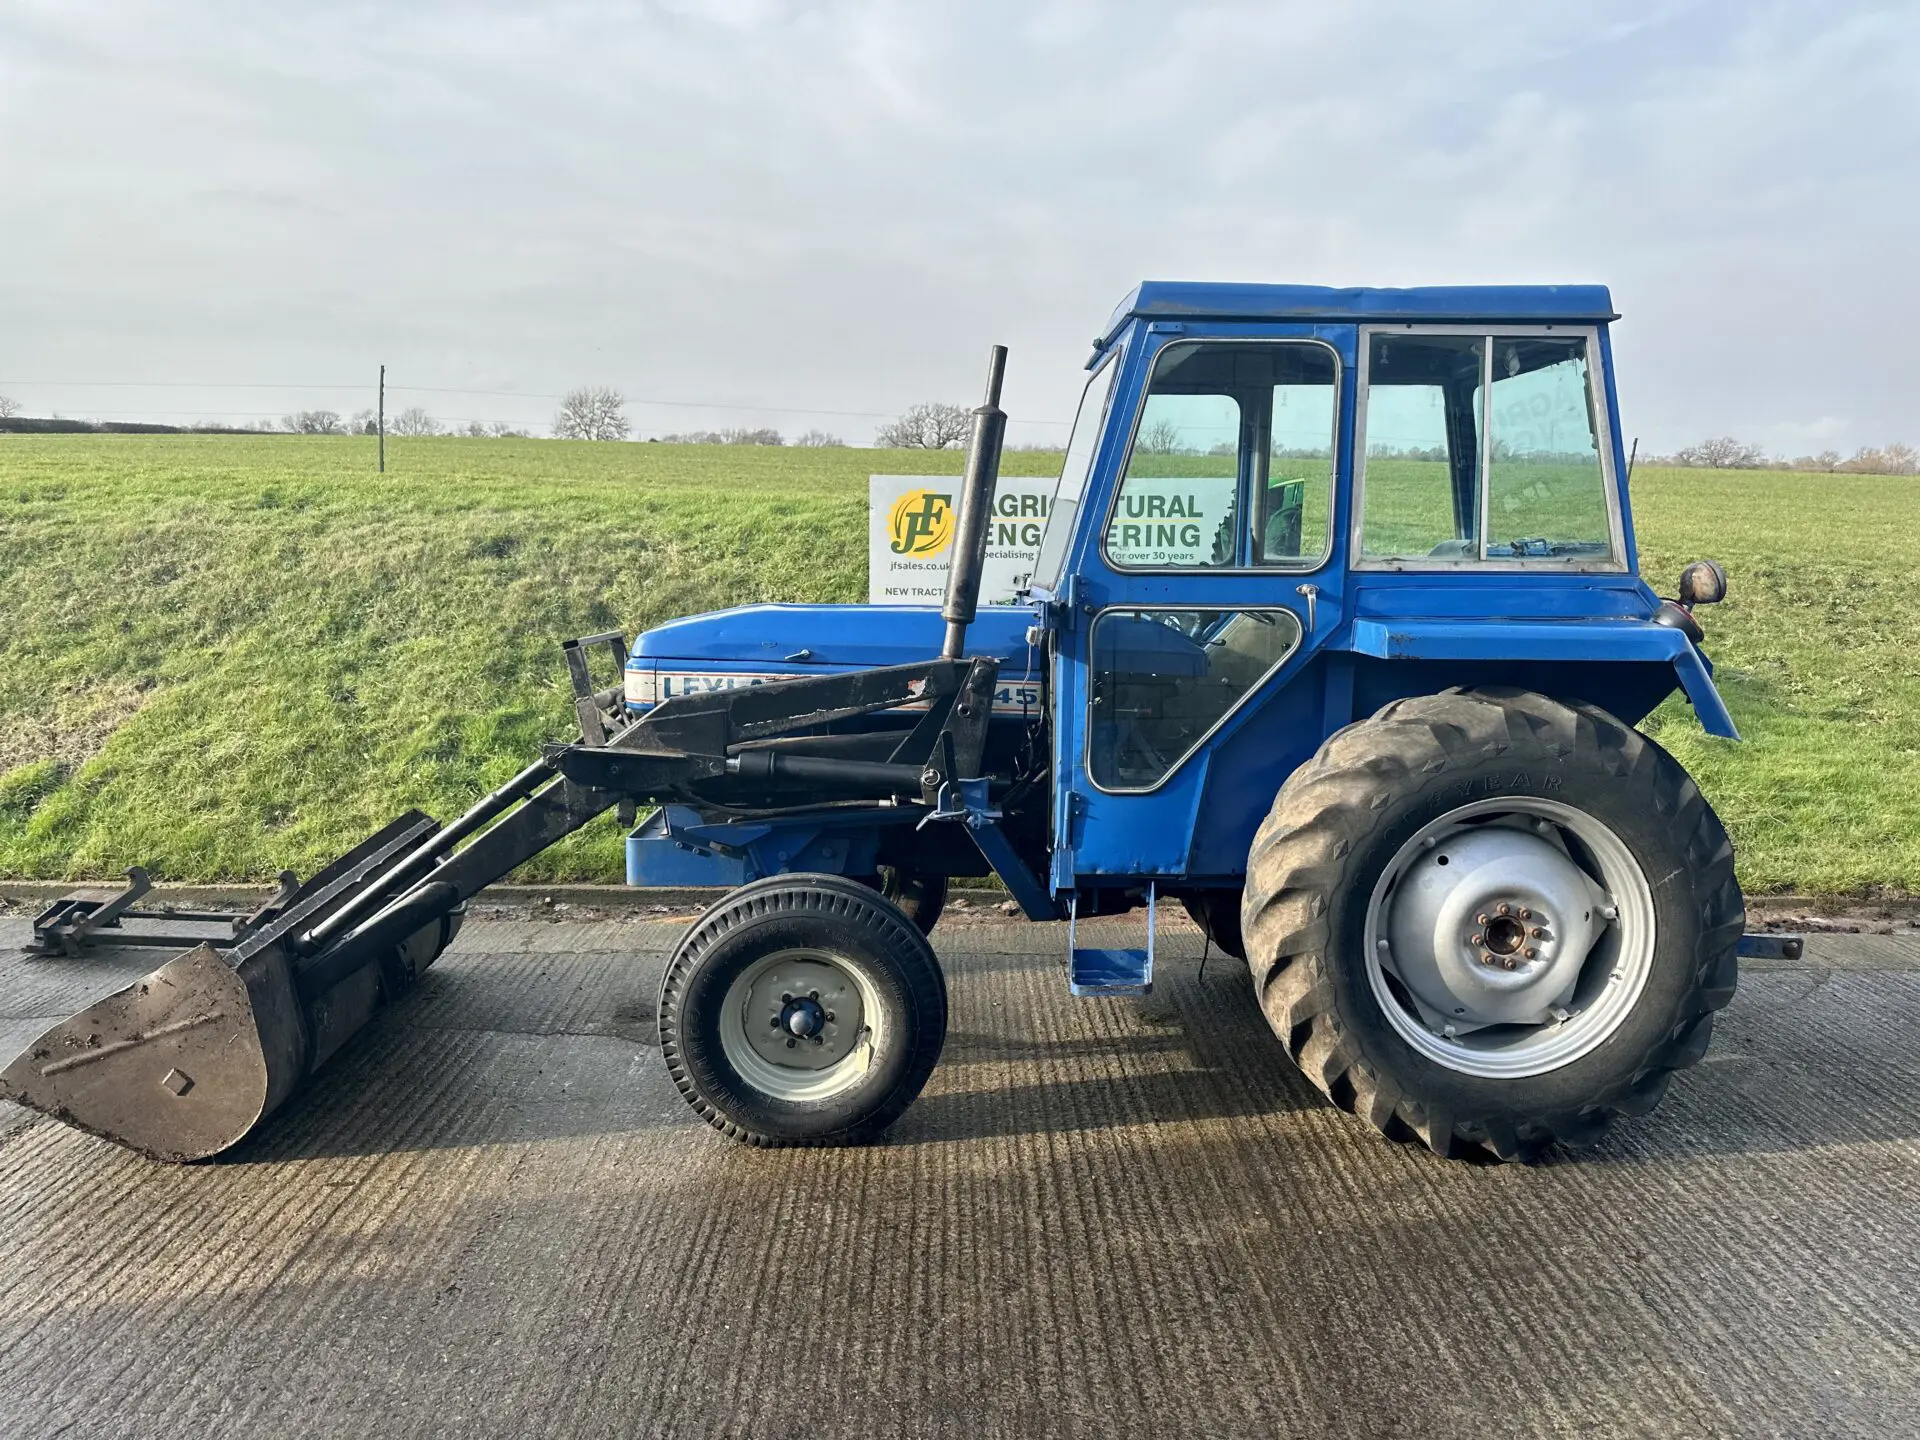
[976, 511]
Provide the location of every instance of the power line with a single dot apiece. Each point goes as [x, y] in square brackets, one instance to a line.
[181, 385]
[452, 390]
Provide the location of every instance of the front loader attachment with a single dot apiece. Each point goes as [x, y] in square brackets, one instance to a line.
[190, 1059]
[187, 1060]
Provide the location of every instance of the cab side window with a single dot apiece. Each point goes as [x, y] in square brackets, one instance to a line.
[1422, 493]
[1481, 447]
[1546, 491]
[1232, 461]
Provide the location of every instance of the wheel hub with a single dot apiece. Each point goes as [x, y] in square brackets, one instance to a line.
[800, 1011]
[803, 1018]
[1490, 926]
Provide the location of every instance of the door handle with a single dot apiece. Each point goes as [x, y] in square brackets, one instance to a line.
[1311, 594]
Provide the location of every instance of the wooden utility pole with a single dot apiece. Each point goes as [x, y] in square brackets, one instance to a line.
[382, 421]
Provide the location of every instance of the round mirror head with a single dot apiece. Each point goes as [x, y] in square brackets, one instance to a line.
[1703, 583]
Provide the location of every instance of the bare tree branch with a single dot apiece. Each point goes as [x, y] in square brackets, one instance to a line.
[314, 422]
[593, 412]
[1722, 453]
[932, 426]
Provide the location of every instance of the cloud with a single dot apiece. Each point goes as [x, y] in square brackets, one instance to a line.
[839, 203]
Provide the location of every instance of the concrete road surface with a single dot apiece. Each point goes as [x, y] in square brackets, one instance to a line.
[494, 1216]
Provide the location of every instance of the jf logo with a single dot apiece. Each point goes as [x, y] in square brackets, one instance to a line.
[921, 522]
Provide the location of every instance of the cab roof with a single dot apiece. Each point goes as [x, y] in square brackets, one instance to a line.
[1201, 300]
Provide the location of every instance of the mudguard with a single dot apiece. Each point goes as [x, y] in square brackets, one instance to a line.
[1584, 641]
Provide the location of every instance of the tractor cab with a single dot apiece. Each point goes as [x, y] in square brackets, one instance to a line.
[1284, 507]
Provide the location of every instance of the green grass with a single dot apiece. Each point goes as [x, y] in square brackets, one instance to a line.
[220, 656]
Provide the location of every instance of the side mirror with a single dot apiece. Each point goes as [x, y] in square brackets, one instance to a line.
[1704, 582]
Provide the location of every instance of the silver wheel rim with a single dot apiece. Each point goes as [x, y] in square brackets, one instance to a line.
[801, 1025]
[1510, 937]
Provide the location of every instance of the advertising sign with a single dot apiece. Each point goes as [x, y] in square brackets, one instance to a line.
[1163, 520]
[910, 527]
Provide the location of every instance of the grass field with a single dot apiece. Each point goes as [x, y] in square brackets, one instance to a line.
[220, 656]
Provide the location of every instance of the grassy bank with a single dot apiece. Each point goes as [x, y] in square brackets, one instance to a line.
[225, 655]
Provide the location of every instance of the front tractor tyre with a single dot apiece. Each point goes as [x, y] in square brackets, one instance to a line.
[802, 1010]
[1492, 920]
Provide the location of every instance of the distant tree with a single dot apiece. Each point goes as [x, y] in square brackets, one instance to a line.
[1160, 438]
[364, 422]
[931, 426]
[1895, 459]
[313, 422]
[734, 435]
[593, 412]
[820, 440]
[1722, 453]
[413, 421]
[1825, 463]
[500, 430]
[9, 407]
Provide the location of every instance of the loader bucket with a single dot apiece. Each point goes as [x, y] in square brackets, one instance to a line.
[171, 1066]
[188, 1060]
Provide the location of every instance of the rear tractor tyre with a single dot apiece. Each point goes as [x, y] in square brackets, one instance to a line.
[1217, 913]
[802, 1010]
[921, 898]
[1492, 920]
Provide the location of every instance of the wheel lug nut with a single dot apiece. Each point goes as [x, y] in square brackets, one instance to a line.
[813, 995]
[1505, 909]
[829, 1017]
[786, 999]
[1476, 940]
[1538, 933]
[819, 1039]
[1530, 952]
[1480, 919]
[776, 1022]
[1526, 914]
[791, 1042]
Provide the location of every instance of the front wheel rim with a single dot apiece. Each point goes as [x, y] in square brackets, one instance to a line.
[1510, 937]
[802, 1025]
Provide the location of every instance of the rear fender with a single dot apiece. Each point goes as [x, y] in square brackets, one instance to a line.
[1557, 644]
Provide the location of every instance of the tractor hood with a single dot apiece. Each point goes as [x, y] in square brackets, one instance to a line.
[755, 643]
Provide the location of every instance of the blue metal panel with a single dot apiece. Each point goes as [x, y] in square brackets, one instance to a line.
[1583, 641]
[1544, 639]
[1099, 970]
[755, 643]
[1432, 304]
[1093, 971]
[1619, 449]
[674, 847]
[831, 636]
[1137, 835]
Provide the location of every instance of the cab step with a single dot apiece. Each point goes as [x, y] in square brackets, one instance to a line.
[1094, 970]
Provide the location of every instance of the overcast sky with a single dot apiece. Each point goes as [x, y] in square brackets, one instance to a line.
[835, 207]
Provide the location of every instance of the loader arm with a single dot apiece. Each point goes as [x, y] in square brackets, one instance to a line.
[190, 1059]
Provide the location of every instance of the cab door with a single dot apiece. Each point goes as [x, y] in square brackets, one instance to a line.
[1208, 573]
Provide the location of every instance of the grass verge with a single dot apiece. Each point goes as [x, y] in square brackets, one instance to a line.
[221, 655]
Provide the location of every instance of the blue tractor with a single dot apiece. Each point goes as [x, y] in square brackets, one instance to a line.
[1335, 636]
